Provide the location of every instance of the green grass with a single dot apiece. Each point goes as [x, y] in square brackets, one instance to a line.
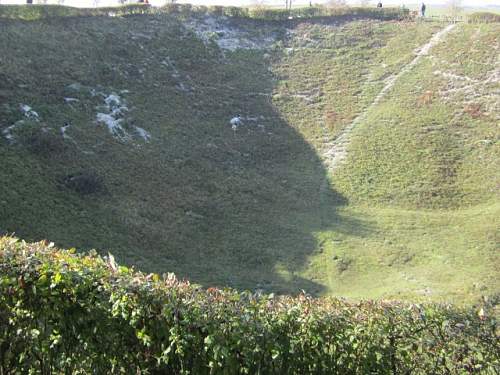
[410, 254]
[198, 191]
[410, 215]
[342, 68]
[424, 146]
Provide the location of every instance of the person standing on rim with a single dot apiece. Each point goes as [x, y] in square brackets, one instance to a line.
[422, 10]
[379, 5]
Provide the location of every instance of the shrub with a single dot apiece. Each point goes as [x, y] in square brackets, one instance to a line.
[236, 12]
[34, 12]
[37, 138]
[84, 183]
[267, 13]
[216, 10]
[483, 17]
[61, 312]
[45, 143]
[185, 9]
[169, 8]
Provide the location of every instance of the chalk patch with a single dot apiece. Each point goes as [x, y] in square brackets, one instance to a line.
[113, 117]
[28, 112]
[75, 86]
[235, 121]
[144, 134]
[64, 130]
[211, 29]
[113, 125]
[454, 76]
[112, 100]
[7, 132]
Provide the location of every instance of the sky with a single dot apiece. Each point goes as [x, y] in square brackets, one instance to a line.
[271, 2]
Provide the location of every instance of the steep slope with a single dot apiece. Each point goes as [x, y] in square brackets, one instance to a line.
[194, 197]
[432, 141]
[337, 151]
[117, 137]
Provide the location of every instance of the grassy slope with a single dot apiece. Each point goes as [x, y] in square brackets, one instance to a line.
[433, 155]
[434, 135]
[339, 69]
[244, 208]
[212, 205]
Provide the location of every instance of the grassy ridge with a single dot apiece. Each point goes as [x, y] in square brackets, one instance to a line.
[61, 312]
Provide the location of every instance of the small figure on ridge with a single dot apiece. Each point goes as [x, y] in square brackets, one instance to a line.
[422, 10]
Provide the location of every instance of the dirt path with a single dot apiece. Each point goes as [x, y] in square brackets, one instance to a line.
[336, 151]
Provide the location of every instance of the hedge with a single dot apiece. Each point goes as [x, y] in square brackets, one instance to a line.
[34, 12]
[274, 14]
[483, 17]
[63, 312]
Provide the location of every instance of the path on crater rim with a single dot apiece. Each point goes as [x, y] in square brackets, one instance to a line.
[337, 149]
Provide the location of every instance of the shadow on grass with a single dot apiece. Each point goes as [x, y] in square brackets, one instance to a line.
[213, 205]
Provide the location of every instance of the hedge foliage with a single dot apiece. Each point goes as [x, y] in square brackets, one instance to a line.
[34, 12]
[62, 312]
[483, 17]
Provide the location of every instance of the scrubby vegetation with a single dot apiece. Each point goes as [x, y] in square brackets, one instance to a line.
[35, 12]
[483, 17]
[61, 312]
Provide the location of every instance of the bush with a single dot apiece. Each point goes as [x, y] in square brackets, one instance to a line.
[45, 143]
[34, 12]
[84, 183]
[216, 10]
[42, 141]
[37, 138]
[61, 312]
[483, 17]
[236, 12]
[185, 9]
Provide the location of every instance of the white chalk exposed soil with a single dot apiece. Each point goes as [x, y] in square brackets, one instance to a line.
[228, 37]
